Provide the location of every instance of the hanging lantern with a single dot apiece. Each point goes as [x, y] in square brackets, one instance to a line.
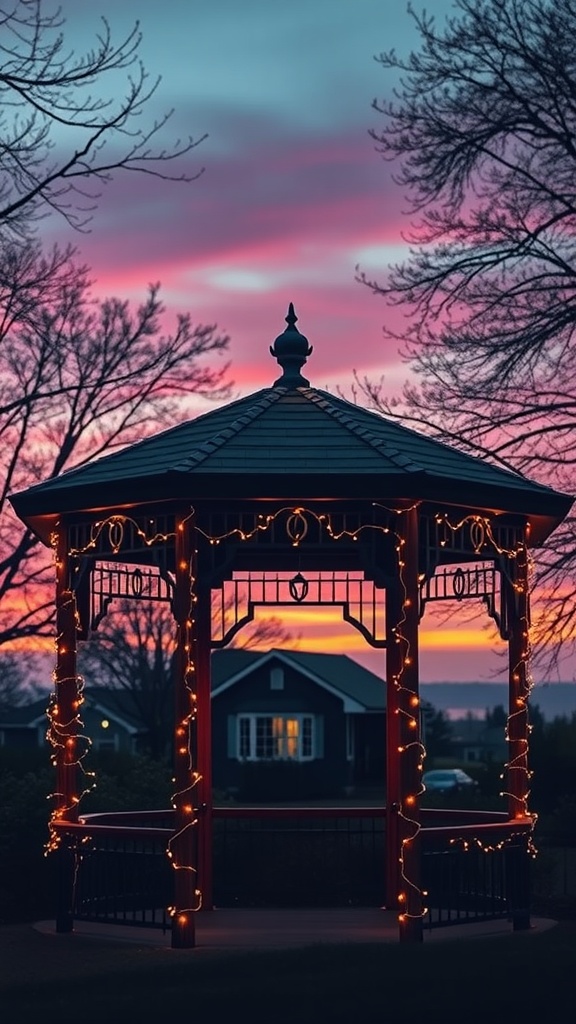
[298, 587]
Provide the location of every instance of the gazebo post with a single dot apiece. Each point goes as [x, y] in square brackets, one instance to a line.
[204, 705]
[182, 845]
[517, 593]
[64, 725]
[404, 749]
[393, 788]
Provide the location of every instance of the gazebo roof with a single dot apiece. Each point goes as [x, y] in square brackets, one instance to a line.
[295, 442]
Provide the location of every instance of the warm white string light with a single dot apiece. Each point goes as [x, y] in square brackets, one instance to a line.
[62, 738]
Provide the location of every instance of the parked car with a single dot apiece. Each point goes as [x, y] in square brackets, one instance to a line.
[448, 780]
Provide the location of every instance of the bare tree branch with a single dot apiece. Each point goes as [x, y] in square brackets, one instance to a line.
[133, 653]
[78, 378]
[482, 135]
[69, 120]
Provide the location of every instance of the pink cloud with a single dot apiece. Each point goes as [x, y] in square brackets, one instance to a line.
[281, 214]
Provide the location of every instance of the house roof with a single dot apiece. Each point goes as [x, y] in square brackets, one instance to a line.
[359, 689]
[116, 704]
[290, 441]
[471, 732]
[25, 715]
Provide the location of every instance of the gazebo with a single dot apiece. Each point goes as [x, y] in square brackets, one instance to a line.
[299, 496]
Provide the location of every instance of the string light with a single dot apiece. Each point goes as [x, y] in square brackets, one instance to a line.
[520, 675]
[185, 733]
[324, 519]
[65, 735]
[467, 844]
[68, 741]
[481, 531]
[116, 530]
[296, 532]
[517, 765]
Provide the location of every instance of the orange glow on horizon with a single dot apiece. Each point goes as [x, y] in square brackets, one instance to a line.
[323, 629]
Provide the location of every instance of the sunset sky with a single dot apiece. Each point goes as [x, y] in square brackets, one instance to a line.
[293, 196]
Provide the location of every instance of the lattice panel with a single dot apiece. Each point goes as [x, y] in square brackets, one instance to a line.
[471, 582]
[114, 581]
[362, 603]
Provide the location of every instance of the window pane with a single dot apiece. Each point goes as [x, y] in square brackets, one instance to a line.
[291, 741]
[276, 737]
[306, 736]
[277, 678]
[244, 746]
[265, 741]
[278, 730]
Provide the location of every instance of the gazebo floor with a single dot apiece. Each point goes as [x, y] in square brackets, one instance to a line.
[228, 930]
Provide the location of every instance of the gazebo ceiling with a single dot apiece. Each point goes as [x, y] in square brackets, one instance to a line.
[293, 442]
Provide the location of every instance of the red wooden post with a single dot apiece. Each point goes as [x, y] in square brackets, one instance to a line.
[404, 702]
[517, 777]
[204, 734]
[519, 686]
[394, 657]
[182, 844]
[64, 728]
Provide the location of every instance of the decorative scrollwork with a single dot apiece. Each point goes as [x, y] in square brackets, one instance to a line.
[115, 534]
[110, 582]
[480, 582]
[361, 601]
[137, 582]
[296, 527]
[459, 584]
[477, 535]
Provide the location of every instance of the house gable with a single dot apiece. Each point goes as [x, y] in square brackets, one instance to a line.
[326, 671]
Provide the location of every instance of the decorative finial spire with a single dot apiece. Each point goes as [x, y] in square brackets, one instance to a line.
[291, 349]
[291, 318]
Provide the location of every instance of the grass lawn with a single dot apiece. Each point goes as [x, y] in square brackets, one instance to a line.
[523, 977]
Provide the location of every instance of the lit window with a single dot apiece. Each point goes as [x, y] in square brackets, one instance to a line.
[275, 737]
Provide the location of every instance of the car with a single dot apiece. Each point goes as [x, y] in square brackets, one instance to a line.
[448, 780]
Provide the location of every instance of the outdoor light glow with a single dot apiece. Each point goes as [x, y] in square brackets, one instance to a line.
[70, 746]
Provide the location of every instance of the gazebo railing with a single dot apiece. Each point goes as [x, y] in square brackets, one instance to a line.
[477, 872]
[120, 873]
[307, 857]
[474, 864]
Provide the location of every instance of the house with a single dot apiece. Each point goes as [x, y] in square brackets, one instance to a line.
[108, 721]
[285, 724]
[476, 741]
[295, 725]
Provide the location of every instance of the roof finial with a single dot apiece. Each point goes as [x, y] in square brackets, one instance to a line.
[291, 349]
[291, 318]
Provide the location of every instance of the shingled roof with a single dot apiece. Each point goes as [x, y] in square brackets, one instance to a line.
[291, 441]
[361, 689]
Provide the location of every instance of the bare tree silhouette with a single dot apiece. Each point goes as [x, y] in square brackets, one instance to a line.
[78, 378]
[482, 136]
[68, 121]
